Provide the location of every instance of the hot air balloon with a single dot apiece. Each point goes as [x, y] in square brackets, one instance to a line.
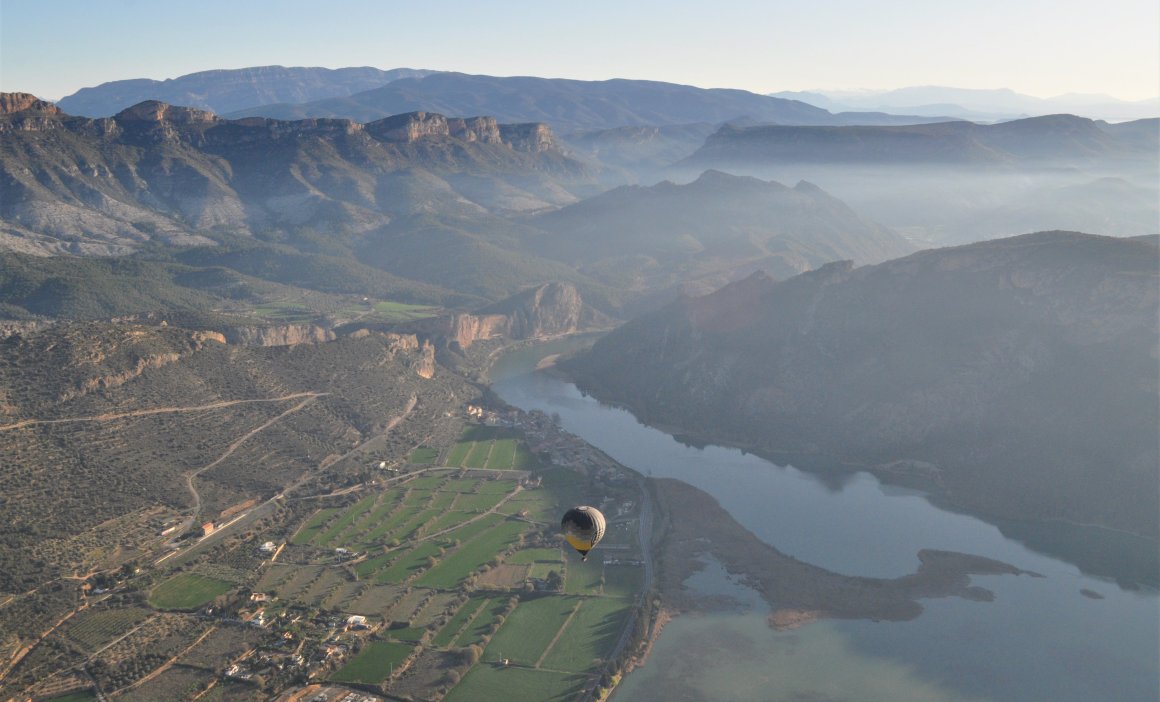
[583, 528]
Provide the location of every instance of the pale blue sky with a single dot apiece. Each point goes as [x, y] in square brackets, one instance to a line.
[1040, 47]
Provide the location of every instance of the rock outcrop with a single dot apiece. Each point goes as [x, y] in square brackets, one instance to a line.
[278, 335]
[544, 311]
[20, 102]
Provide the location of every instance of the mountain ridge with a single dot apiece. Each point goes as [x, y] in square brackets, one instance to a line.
[228, 90]
[1014, 377]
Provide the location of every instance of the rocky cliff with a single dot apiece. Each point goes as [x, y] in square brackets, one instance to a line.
[278, 335]
[543, 311]
[1018, 375]
[156, 172]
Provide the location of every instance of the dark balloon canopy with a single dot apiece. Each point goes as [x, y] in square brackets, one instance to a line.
[583, 528]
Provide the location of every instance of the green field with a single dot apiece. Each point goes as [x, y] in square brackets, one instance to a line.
[284, 312]
[411, 633]
[481, 622]
[328, 537]
[583, 577]
[402, 312]
[453, 569]
[458, 453]
[314, 525]
[503, 452]
[374, 663]
[622, 580]
[494, 448]
[591, 634]
[478, 457]
[187, 591]
[447, 634]
[424, 455]
[407, 565]
[530, 629]
[490, 682]
[427, 482]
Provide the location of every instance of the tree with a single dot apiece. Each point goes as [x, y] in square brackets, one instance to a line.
[555, 580]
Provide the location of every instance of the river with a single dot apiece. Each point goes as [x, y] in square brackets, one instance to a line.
[1066, 636]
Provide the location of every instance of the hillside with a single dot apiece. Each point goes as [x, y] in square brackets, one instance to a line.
[715, 228]
[119, 466]
[1016, 377]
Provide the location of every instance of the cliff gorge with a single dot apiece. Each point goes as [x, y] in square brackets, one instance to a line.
[1018, 376]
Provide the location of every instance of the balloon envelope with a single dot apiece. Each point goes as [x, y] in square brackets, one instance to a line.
[583, 528]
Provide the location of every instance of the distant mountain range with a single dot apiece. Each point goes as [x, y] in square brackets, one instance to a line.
[367, 94]
[1015, 378]
[448, 210]
[1055, 139]
[975, 105]
[223, 91]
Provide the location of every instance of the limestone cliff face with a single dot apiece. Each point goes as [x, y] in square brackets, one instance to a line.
[280, 335]
[24, 112]
[543, 311]
[466, 329]
[19, 102]
[533, 137]
[1023, 368]
[413, 126]
[547, 310]
[157, 112]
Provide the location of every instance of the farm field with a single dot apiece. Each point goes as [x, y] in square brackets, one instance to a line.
[622, 580]
[450, 561]
[584, 577]
[495, 448]
[530, 629]
[489, 682]
[594, 630]
[187, 591]
[424, 455]
[374, 663]
[95, 627]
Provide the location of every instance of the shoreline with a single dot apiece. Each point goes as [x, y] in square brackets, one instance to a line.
[903, 472]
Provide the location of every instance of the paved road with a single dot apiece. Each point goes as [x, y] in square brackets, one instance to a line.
[644, 534]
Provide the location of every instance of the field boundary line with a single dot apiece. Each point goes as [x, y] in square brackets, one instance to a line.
[563, 627]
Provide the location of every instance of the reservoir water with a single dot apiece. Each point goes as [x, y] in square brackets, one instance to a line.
[1065, 636]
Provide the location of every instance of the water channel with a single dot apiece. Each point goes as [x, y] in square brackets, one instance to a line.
[1066, 636]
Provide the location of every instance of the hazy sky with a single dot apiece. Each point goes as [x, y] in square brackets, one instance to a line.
[1039, 47]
